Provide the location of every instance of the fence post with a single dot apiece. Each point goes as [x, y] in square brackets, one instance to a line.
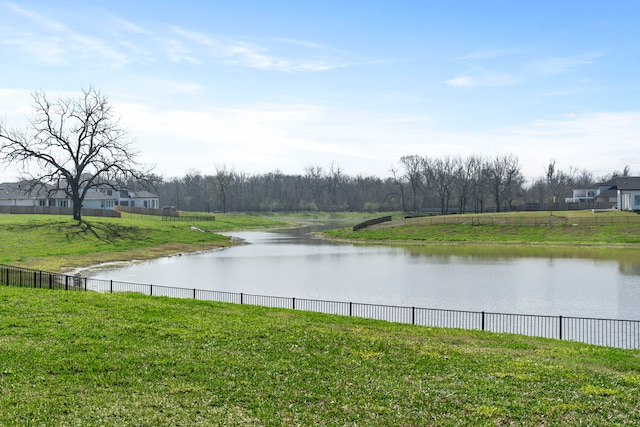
[194, 293]
[35, 279]
[150, 290]
[20, 277]
[50, 281]
[413, 315]
[560, 327]
[483, 320]
[7, 274]
[66, 283]
[111, 286]
[293, 302]
[241, 297]
[350, 308]
[85, 284]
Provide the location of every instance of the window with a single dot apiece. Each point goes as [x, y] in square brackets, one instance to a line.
[636, 199]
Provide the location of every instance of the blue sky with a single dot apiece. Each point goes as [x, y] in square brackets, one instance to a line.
[263, 85]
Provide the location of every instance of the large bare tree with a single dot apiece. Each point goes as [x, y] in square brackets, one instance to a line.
[72, 145]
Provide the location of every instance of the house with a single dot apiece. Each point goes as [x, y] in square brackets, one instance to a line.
[137, 199]
[621, 192]
[629, 193]
[19, 194]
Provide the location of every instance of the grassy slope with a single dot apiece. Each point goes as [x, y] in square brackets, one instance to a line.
[91, 359]
[58, 242]
[421, 230]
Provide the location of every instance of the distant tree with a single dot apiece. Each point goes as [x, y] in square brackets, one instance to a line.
[72, 145]
[504, 180]
[224, 179]
[414, 167]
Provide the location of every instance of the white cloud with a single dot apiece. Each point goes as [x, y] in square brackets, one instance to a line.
[56, 44]
[485, 54]
[485, 78]
[566, 64]
[461, 81]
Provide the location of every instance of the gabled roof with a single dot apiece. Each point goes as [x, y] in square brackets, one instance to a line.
[16, 190]
[612, 192]
[628, 182]
[142, 195]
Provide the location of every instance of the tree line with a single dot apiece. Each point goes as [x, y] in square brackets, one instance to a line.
[75, 145]
[416, 184]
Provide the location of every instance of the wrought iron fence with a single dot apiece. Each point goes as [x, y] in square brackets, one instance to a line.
[603, 332]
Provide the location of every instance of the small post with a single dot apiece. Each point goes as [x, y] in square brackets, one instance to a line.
[66, 283]
[111, 286]
[560, 327]
[150, 290]
[85, 284]
[413, 315]
[350, 308]
[194, 293]
[293, 302]
[35, 279]
[241, 297]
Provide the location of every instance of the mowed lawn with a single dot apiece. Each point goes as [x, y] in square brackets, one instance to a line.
[82, 358]
[55, 243]
[556, 228]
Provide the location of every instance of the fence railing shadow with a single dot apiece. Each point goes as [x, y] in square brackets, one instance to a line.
[604, 332]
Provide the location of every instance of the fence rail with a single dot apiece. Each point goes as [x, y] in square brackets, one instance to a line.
[603, 332]
[371, 222]
[554, 219]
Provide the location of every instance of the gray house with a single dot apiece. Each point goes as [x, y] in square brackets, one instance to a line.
[622, 192]
[19, 194]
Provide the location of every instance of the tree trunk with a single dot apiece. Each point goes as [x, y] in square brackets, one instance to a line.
[77, 210]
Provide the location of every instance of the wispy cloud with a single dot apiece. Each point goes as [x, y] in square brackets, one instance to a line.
[485, 78]
[461, 81]
[251, 54]
[485, 54]
[56, 44]
[566, 64]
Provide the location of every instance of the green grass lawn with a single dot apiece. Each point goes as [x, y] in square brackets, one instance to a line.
[54, 243]
[572, 228]
[75, 358]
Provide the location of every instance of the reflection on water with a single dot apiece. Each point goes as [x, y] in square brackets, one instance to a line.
[568, 281]
[628, 259]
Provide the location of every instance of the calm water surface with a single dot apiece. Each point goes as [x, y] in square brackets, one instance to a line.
[568, 281]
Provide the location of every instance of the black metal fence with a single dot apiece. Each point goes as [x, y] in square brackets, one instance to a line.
[603, 332]
[556, 218]
[371, 222]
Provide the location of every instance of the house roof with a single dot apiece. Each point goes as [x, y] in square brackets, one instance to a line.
[628, 182]
[608, 193]
[142, 195]
[16, 190]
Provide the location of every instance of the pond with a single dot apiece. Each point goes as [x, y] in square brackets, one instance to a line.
[567, 281]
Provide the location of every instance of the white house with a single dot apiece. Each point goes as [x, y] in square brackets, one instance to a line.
[628, 192]
[18, 194]
[622, 192]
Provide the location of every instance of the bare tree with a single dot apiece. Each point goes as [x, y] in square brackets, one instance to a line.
[504, 179]
[224, 179]
[72, 145]
[414, 167]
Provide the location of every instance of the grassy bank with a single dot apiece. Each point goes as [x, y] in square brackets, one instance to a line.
[71, 358]
[57, 243]
[567, 228]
